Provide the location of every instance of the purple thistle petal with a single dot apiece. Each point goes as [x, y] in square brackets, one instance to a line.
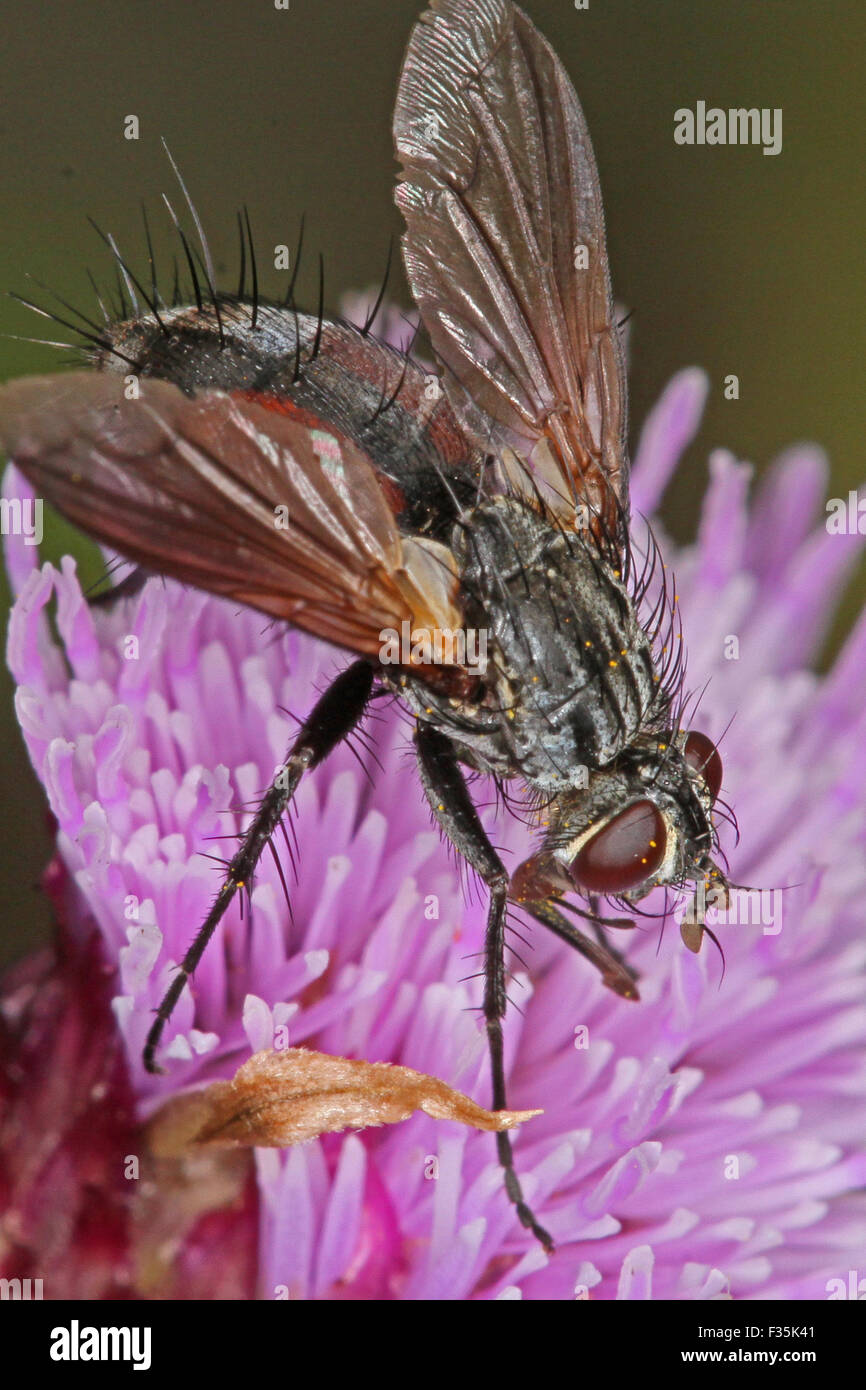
[669, 428]
[785, 508]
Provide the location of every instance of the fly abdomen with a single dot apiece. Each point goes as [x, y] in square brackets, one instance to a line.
[331, 373]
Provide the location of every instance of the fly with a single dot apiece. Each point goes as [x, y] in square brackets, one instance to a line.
[491, 498]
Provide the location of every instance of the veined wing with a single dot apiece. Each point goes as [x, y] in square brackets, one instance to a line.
[505, 248]
[220, 493]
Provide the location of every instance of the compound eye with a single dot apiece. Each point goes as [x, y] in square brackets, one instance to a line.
[703, 755]
[625, 853]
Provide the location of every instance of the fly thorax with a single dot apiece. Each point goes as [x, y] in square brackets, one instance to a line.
[571, 680]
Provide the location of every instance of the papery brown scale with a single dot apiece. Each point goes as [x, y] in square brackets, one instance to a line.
[281, 1098]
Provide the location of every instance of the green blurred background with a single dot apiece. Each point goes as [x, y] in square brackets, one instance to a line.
[730, 259]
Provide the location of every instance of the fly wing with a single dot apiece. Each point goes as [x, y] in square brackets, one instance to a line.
[222, 494]
[505, 249]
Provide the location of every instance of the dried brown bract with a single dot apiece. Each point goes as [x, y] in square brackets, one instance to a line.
[282, 1098]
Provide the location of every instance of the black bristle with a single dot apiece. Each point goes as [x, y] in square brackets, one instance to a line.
[190, 260]
[320, 316]
[131, 280]
[205, 260]
[151, 259]
[290, 292]
[371, 317]
[242, 277]
[254, 315]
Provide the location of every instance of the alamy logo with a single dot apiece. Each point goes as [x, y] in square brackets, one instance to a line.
[737, 907]
[22, 518]
[738, 125]
[854, 1288]
[443, 646]
[77, 1343]
[20, 1290]
[846, 516]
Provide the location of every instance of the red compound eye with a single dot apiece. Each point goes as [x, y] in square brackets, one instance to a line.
[625, 853]
[703, 755]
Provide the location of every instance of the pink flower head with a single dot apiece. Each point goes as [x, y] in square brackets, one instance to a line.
[704, 1142]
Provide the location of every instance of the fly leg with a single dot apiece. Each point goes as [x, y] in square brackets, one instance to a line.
[333, 716]
[453, 808]
[614, 971]
[599, 925]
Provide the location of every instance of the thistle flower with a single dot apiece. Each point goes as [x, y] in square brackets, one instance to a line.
[707, 1141]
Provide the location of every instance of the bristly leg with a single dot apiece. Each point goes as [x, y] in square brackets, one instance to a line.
[448, 795]
[599, 927]
[332, 718]
[616, 973]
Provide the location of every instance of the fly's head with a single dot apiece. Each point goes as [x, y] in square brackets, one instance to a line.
[644, 822]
